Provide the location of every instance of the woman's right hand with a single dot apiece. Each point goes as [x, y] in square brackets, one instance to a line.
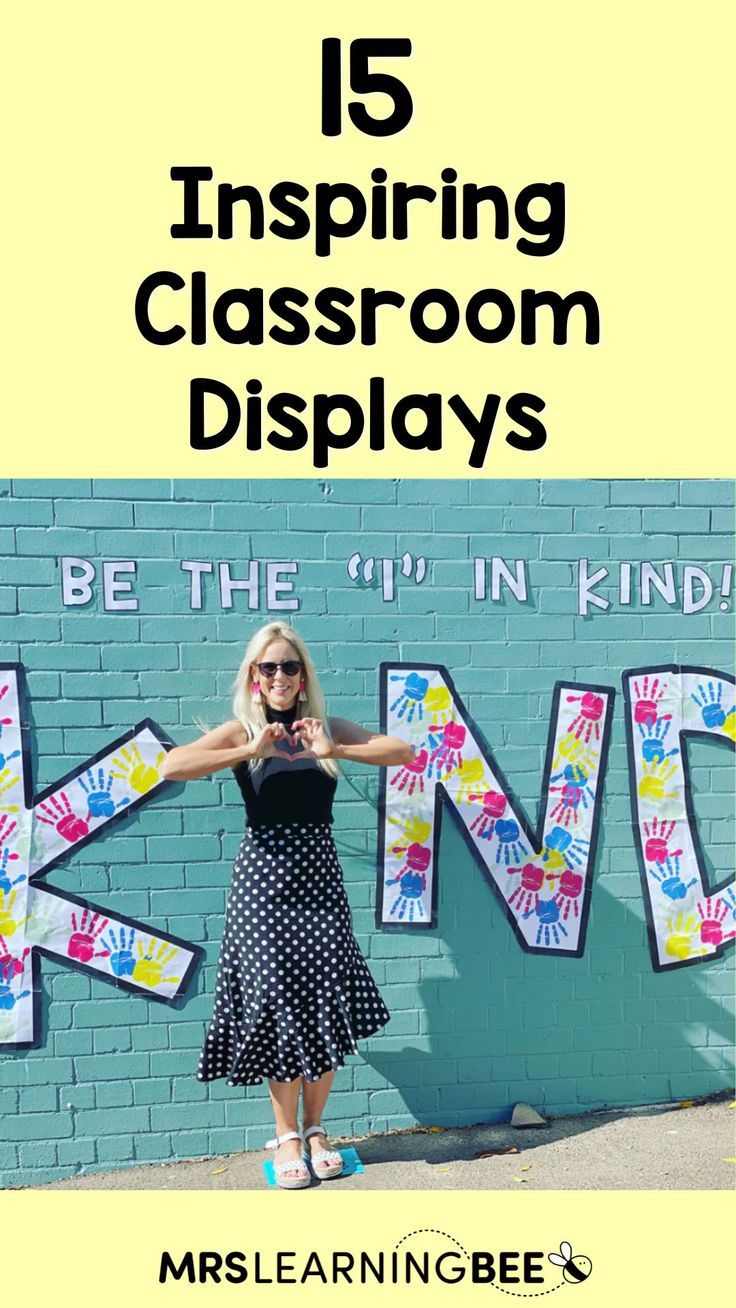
[264, 745]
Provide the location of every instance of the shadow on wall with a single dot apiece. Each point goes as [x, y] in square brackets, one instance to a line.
[499, 1025]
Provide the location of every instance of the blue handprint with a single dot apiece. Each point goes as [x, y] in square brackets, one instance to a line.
[414, 691]
[411, 885]
[5, 881]
[710, 704]
[550, 927]
[122, 961]
[653, 740]
[668, 877]
[5, 758]
[99, 797]
[574, 848]
[510, 846]
[8, 999]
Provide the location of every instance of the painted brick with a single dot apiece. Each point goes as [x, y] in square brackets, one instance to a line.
[577, 1033]
[103, 1122]
[69, 487]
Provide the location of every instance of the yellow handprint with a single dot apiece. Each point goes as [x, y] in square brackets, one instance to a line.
[148, 966]
[472, 778]
[554, 859]
[414, 831]
[8, 779]
[729, 725]
[569, 748]
[138, 775]
[573, 750]
[654, 780]
[679, 941]
[438, 702]
[8, 924]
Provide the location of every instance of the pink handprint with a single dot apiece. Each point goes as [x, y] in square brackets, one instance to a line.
[82, 942]
[573, 793]
[711, 929]
[11, 965]
[418, 859]
[7, 827]
[526, 895]
[494, 806]
[587, 722]
[411, 775]
[447, 754]
[648, 695]
[57, 812]
[659, 833]
[568, 894]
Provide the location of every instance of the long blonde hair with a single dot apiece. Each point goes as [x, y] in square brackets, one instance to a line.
[253, 715]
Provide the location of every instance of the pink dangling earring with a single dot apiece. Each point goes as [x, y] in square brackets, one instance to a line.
[255, 691]
[302, 693]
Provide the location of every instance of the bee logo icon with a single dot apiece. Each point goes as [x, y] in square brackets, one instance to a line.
[574, 1269]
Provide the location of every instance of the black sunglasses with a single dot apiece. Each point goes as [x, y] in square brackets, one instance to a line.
[289, 666]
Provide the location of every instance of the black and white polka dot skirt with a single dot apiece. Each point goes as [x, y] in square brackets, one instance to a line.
[293, 992]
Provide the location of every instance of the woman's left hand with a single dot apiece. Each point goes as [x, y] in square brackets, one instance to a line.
[314, 738]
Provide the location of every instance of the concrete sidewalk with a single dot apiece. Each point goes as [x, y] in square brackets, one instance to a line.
[654, 1148]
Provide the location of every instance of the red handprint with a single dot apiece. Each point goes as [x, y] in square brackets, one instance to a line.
[57, 812]
[81, 943]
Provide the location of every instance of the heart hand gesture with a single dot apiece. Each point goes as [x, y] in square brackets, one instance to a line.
[266, 743]
[313, 737]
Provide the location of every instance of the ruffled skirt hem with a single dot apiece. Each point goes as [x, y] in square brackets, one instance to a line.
[273, 1041]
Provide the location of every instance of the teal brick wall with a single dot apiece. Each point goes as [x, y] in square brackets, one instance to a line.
[477, 1024]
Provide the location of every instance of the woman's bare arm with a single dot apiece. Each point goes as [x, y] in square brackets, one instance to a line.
[224, 747]
[359, 745]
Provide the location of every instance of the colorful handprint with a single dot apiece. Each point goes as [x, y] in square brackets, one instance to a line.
[83, 940]
[119, 946]
[98, 792]
[667, 876]
[414, 830]
[648, 693]
[149, 965]
[135, 771]
[409, 702]
[587, 723]
[57, 812]
[710, 702]
[9, 924]
[713, 913]
[494, 807]
[468, 778]
[526, 895]
[658, 834]
[410, 776]
[550, 930]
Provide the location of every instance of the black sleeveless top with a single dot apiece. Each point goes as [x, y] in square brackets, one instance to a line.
[285, 791]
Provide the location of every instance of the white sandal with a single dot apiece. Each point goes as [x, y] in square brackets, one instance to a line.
[326, 1162]
[286, 1173]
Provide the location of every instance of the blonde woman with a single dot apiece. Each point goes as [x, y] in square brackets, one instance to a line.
[293, 992]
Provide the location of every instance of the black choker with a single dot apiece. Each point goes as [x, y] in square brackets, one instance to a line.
[287, 716]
